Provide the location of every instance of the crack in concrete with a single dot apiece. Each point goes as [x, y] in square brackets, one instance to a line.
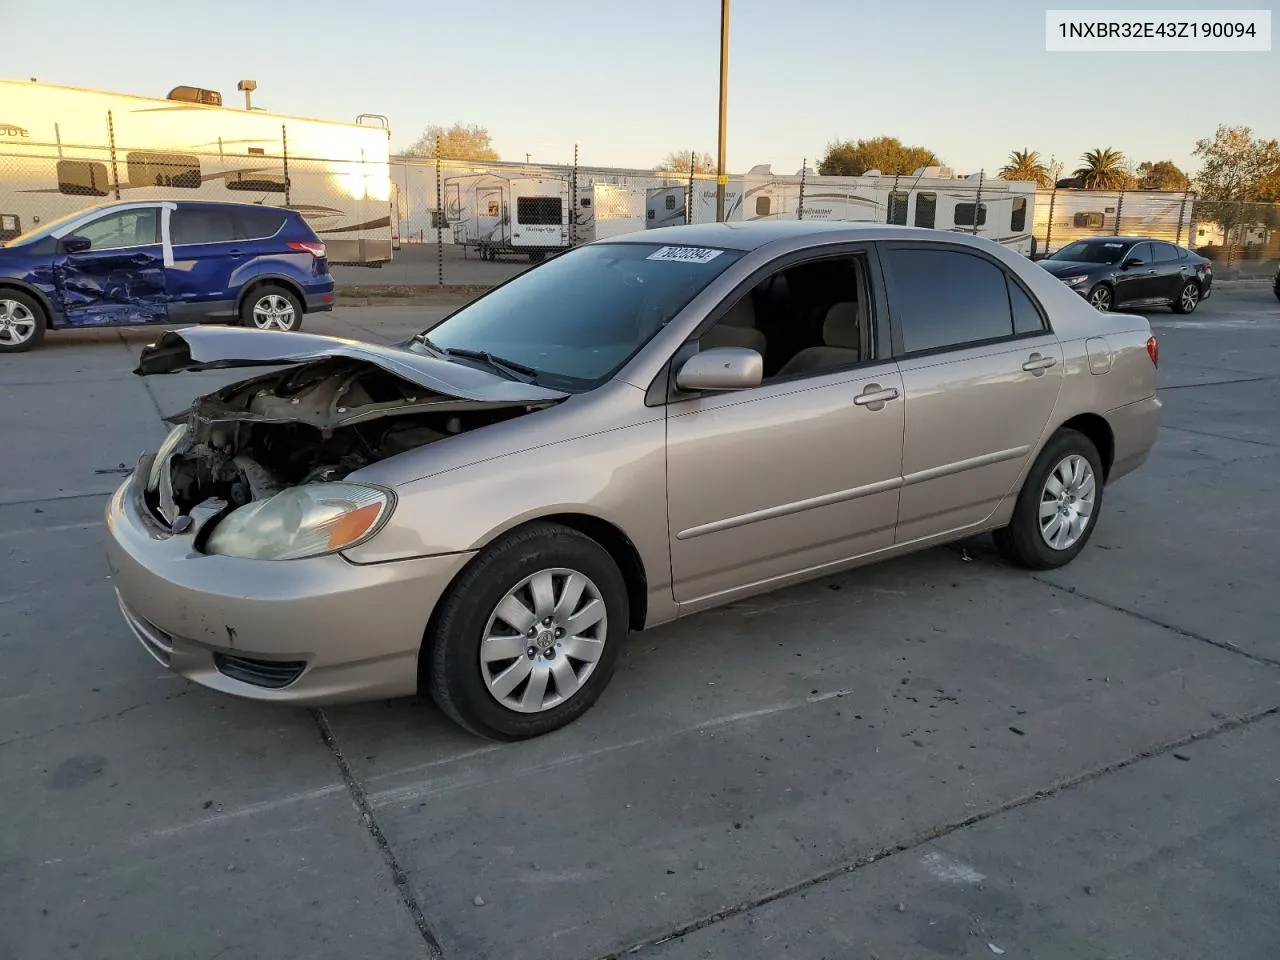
[399, 877]
[936, 833]
[1215, 383]
[1219, 436]
[1188, 634]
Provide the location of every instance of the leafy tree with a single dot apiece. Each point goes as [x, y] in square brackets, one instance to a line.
[1162, 175]
[1025, 165]
[677, 161]
[1237, 169]
[458, 142]
[1103, 169]
[886, 154]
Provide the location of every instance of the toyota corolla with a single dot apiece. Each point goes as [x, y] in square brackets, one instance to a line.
[638, 430]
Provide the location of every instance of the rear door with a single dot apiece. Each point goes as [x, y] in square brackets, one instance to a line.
[211, 263]
[1170, 271]
[120, 278]
[540, 213]
[981, 372]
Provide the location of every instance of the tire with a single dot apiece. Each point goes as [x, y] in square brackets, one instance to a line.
[1188, 298]
[459, 670]
[1102, 298]
[1023, 541]
[272, 307]
[22, 321]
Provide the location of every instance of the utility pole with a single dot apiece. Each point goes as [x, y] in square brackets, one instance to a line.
[721, 179]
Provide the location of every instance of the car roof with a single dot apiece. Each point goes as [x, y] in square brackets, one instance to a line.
[752, 235]
[1124, 239]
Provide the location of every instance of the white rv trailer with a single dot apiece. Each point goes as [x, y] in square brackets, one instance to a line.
[669, 206]
[504, 213]
[1066, 215]
[931, 197]
[65, 148]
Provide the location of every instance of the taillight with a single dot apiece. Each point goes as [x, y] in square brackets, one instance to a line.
[1153, 351]
[313, 247]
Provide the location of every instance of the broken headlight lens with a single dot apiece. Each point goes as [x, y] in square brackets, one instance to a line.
[161, 461]
[302, 521]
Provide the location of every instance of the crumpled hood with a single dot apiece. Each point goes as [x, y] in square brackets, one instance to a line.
[208, 348]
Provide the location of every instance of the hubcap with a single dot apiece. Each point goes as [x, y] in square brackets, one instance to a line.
[1066, 503]
[543, 640]
[1190, 296]
[273, 312]
[17, 323]
[1101, 300]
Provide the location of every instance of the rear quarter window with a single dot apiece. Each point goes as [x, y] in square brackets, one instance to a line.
[260, 224]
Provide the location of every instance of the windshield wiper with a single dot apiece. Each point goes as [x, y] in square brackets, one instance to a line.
[511, 368]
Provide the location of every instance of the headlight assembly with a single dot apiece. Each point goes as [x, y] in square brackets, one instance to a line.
[1074, 281]
[304, 521]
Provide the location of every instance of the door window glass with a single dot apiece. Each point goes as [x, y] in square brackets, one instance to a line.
[202, 225]
[128, 228]
[947, 298]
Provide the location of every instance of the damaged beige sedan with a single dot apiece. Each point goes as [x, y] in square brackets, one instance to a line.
[637, 430]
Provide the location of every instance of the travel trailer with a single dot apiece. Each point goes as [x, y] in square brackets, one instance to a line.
[1065, 215]
[499, 214]
[64, 148]
[930, 197]
[668, 206]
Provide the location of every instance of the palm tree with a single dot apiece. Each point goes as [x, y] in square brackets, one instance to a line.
[1103, 170]
[1025, 165]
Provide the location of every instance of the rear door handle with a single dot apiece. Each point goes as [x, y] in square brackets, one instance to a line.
[874, 397]
[1038, 364]
[235, 253]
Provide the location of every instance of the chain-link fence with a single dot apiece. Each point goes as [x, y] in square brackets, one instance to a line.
[429, 222]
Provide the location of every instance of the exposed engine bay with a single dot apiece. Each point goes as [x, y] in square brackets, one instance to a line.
[314, 422]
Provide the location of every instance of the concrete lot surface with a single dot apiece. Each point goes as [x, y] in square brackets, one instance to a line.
[938, 757]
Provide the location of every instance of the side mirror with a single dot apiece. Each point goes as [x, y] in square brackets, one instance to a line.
[1133, 262]
[74, 244]
[721, 368]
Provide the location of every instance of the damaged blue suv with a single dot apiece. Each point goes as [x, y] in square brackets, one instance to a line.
[162, 262]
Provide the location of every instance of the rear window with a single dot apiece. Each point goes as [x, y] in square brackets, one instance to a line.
[258, 224]
[539, 211]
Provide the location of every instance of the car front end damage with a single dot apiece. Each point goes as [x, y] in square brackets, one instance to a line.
[229, 545]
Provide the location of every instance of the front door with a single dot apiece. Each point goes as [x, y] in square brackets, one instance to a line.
[802, 471]
[981, 372]
[1138, 283]
[119, 278]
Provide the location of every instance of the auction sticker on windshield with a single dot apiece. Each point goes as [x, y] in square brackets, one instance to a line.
[685, 254]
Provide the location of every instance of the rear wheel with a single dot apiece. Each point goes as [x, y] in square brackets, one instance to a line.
[1188, 298]
[1101, 298]
[271, 307]
[1058, 506]
[22, 321]
[529, 635]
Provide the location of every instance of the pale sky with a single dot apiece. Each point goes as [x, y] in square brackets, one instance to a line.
[629, 82]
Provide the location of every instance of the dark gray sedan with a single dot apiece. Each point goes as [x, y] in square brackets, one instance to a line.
[1119, 273]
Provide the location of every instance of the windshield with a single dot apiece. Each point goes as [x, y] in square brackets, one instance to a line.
[1094, 251]
[42, 231]
[576, 319]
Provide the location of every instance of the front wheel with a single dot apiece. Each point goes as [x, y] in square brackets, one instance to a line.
[1058, 506]
[271, 307]
[528, 637]
[1101, 298]
[22, 322]
[1188, 298]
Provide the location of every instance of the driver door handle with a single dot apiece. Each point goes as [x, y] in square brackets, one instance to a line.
[875, 397]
